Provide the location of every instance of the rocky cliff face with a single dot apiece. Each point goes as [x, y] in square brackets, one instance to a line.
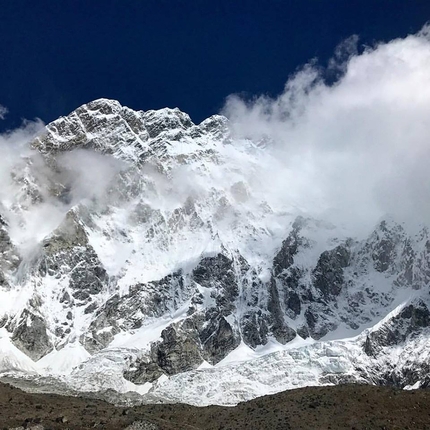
[169, 261]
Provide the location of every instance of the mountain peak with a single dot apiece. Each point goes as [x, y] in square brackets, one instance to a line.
[106, 126]
[164, 256]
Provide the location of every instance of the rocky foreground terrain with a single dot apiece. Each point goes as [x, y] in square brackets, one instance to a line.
[341, 407]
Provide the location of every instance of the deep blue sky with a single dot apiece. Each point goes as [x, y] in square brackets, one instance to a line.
[56, 55]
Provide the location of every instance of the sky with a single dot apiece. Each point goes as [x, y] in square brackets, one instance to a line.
[149, 54]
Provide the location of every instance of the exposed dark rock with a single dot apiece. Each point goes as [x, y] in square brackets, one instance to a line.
[90, 308]
[278, 327]
[67, 252]
[383, 255]
[185, 345]
[254, 328]
[411, 320]
[9, 256]
[218, 273]
[218, 339]
[293, 303]
[103, 328]
[284, 259]
[173, 119]
[143, 301]
[176, 352]
[319, 319]
[303, 332]
[328, 274]
[383, 245]
[30, 335]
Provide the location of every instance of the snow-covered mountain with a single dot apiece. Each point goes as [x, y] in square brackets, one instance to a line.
[142, 252]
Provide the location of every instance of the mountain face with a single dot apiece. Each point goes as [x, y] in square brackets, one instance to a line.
[139, 252]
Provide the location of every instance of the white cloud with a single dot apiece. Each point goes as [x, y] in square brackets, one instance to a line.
[356, 149]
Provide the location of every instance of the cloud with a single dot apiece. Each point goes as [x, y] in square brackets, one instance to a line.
[350, 150]
[3, 112]
[18, 182]
[356, 149]
[87, 174]
[37, 192]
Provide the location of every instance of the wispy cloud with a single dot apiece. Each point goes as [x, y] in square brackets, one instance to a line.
[3, 112]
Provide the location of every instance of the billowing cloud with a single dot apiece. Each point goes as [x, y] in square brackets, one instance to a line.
[355, 149]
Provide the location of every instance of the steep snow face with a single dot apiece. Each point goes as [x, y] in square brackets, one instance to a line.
[183, 188]
[143, 252]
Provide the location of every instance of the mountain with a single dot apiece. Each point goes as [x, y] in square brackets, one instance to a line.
[143, 253]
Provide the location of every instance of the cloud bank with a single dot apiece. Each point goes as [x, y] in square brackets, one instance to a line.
[356, 149]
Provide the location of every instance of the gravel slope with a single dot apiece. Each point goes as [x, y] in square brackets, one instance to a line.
[341, 407]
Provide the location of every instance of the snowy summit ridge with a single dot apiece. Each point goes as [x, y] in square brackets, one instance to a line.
[141, 252]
